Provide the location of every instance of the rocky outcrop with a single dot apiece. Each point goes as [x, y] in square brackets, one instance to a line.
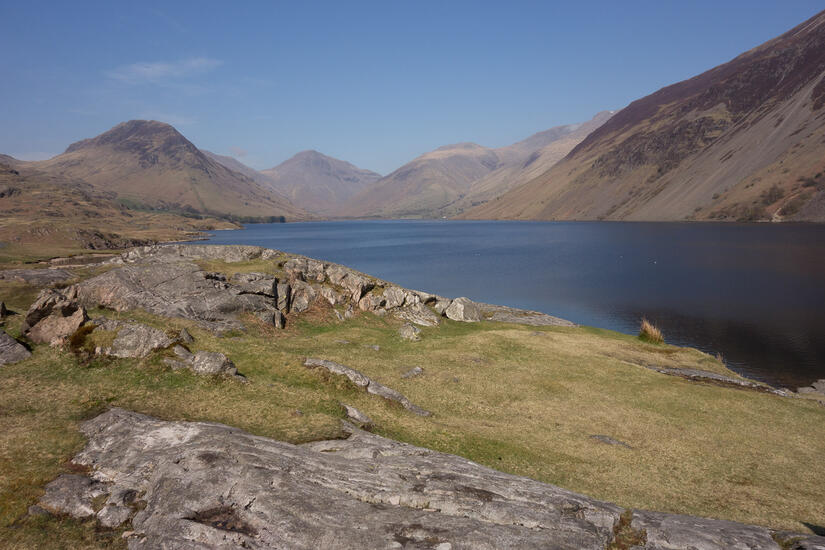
[203, 362]
[463, 309]
[817, 388]
[202, 485]
[409, 331]
[166, 281]
[11, 351]
[53, 317]
[133, 340]
[364, 381]
[36, 277]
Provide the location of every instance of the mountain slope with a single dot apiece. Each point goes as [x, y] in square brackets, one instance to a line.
[45, 215]
[453, 178]
[425, 185]
[316, 182]
[237, 166]
[150, 164]
[534, 156]
[741, 141]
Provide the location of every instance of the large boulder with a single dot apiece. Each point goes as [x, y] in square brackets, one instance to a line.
[11, 351]
[211, 362]
[203, 485]
[36, 277]
[132, 339]
[418, 314]
[53, 317]
[394, 297]
[255, 283]
[463, 309]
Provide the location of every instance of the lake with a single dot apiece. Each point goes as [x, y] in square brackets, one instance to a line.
[753, 292]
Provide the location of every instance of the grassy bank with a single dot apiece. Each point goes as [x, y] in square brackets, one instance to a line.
[519, 399]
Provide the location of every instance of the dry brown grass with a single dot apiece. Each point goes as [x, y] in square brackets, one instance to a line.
[650, 333]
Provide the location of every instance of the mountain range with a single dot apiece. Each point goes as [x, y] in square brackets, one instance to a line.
[742, 141]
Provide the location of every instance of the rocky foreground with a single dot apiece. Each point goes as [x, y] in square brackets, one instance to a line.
[198, 485]
[202, 485]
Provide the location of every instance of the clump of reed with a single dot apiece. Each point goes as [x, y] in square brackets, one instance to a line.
[650, 333]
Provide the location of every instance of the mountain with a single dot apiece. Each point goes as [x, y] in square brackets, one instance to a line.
[742, 141]
[318, 183]
[45, 214]
[533, 156]
[237, 166]
[453, 178]
[150, 165]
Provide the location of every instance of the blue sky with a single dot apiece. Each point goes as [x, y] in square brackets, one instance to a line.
[374, 83]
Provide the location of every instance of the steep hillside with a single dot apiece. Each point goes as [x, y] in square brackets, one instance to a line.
[745, 140]
[424, 186]
[318, 183]
[533, 156]
[45, 215]
[237, 166]
[149, 164]
[453, 178]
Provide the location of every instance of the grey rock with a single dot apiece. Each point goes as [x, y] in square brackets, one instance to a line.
[712, 377]
[364, 381]
[360, 380]
[315, 271]
[211, 362]
[48, 301]
[185, 337]
[413, 372]
[170, 289]
[255, 283]
[409, 331]
[36, 277]
[333, 296]
[517, 316]
[56, 328]
[303, 296]
[284, 294]
[357, 285]
[11, 351]
[183, 353]
[463, 309]
[178, 252]
[73, 495]
[205, 485]
[295, 268]
[357, 416]
[441, 304]
[607, 440]
[3, 311]
[278, 320]
[394, 297]
[819, 385]
[371, 302]
[133, 339]
[418, 314]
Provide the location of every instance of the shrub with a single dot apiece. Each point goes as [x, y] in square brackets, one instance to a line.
[649, 333]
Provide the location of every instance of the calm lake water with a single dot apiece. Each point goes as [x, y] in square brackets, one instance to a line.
[753, 292]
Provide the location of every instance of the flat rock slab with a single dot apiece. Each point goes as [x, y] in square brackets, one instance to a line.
[517, 316]
[11, 351]
[133, 339]
[36, 277]
[200, 485]
[363, 381]
[707, 376]
[172, 289]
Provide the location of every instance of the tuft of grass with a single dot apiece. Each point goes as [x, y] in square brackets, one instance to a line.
[648, 332]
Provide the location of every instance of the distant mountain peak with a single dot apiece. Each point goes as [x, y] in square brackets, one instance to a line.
[136, 135]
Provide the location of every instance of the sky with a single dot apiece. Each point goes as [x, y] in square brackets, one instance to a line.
[374, 83]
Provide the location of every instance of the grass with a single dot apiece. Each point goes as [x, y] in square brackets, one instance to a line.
[520, 399]
[650, 333]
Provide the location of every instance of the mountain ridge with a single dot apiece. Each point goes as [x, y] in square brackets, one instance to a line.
[741, 141]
